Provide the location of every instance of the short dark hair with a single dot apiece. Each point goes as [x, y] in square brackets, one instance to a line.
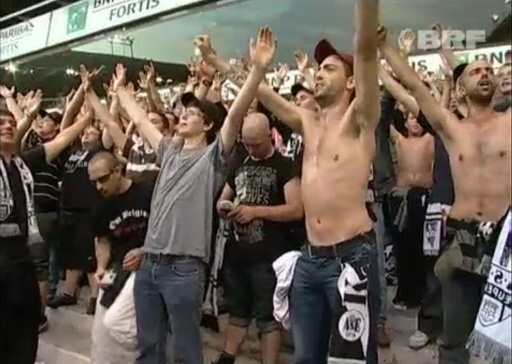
[6, 112]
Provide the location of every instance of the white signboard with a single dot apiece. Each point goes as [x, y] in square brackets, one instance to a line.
[24, 38]
[93, 16]
[432, 62]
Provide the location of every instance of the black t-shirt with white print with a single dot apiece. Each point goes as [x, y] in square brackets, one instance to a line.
[77, 192]
[123, 221]
[260, 183]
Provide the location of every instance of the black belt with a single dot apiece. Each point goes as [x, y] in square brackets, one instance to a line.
[341, 249]
[167, 258]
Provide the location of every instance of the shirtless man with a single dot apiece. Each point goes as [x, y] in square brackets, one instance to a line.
[415, 157]
[479, 148]
[339, 150]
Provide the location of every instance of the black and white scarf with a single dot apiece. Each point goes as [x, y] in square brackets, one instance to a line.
[491, 337]
[7, 202]
[213, 302]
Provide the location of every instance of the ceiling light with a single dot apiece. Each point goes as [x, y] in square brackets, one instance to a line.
[11, 67]
[495, 17]
[70, 72]
[507, 1]
[159, 79]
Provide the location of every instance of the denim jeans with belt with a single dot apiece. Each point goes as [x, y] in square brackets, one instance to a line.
[169, 288]
[315, 302]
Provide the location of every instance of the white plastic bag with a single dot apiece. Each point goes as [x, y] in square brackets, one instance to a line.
[120, 318]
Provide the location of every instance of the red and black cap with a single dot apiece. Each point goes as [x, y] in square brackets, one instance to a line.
[325, 49]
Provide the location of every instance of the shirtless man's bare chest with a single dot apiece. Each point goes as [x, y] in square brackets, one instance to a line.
[480, 160]
[415, 158]
[336, 167]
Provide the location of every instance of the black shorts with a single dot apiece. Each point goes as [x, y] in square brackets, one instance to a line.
[76, 238]
[249, 294]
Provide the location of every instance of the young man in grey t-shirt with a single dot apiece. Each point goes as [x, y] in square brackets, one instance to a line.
[169, 282]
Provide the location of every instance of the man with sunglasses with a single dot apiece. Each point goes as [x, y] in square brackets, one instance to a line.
[119, 223]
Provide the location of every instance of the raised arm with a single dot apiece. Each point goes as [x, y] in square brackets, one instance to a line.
[32, 107]
[289, 113]
[262, 51]
[366, 64]
[112, 127]
[440, 119]
[10, 102]
[147, 80]
[73, 108]
[398, 91]
[139, 117]
[64, 139]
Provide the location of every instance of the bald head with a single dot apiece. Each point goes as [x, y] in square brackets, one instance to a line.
[256, 135]
[256, 125]
[107, 159]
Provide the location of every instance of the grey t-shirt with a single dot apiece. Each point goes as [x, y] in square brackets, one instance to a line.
[180, 222]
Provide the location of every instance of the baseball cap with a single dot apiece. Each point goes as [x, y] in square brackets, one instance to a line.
[54, 115]
[212, 112]
[457, 71]
[298, 87]
[325, 49]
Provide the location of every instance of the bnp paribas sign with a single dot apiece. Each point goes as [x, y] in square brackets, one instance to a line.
[89, 17]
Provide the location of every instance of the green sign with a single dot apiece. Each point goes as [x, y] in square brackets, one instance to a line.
[77, 17]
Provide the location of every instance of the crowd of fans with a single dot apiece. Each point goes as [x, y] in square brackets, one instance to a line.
[265, 207]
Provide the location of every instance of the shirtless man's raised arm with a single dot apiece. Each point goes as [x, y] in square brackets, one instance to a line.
[442, 120]
[285, 111]
[365, 65]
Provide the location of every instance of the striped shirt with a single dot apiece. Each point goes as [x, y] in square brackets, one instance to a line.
[141, 160]
[46, 179]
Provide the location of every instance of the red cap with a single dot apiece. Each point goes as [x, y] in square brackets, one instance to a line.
[325, 49]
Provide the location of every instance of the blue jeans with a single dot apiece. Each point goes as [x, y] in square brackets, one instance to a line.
[168, 287]
[316, 308]
[48, 224]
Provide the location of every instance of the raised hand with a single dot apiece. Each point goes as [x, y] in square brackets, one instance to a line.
[382, 34]
[33, 104]
[22, 100]
[301, 60]
[69, 96]
[206, 70]
[445, 67]
[406, 40]
[281, 72]
[429, 77]
[119, 77]
[262, 49]
[130, 87]
[87, 76]
[218, 80]
[444, 34]
[7, 93]
[204, 45]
